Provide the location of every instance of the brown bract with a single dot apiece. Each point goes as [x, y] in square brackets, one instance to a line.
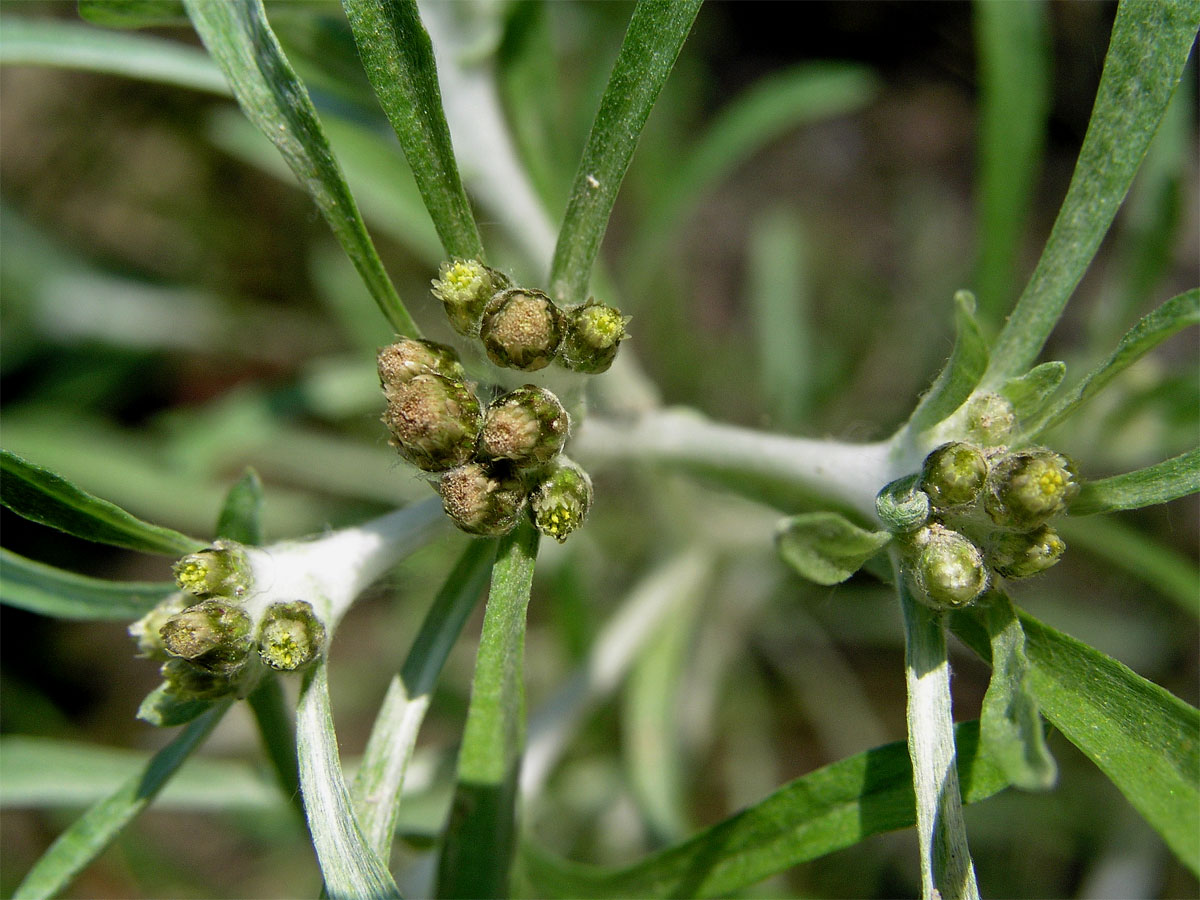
[522, 329]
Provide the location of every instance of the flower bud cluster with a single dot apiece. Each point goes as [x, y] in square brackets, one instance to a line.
[492, 462]
[209, 639]
[974, 513]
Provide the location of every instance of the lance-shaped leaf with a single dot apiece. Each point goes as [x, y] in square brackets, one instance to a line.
[40, 495]
[961, 373]
[352, 870]
[398, 58]
[826, 547]
[1168, 480]
[99, 826]
[827, 810]
[241, 515]
[236, 33]
[1149, 47]
[481, 835]
[133, 13]
[164, 709]
[652, 43]
[1031, 393]
[1151, 330]
[380, 777]
[1141, 736]
[1010, 726]
[71, 45]
[51, 591]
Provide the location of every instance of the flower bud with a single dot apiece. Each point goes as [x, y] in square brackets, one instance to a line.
[213, 635]
[949, 569]
[434, 422]
[482, 499]
[1017, 555]
[902, 505]
[953, 474]
[402, 361]
[561, 500]
[1028, 487]
[290, 636]
[522, 329]
[220, 571]
[990, 419]
[527, 426]
[146, 630]
[191, 682]
[592, 335]
[464, 286]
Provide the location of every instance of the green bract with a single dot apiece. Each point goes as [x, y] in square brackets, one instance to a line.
[561, 500]
[990, 419]
[953, 474]
[948, 568]
[902, 505]
[465, 287]
[219, 571]
[290, 636]
[434, 421]
[212, 635]
[1018, 554]
[1026, 488]
[592, 335]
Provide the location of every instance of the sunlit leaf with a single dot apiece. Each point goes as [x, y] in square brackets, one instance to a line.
[51, 591]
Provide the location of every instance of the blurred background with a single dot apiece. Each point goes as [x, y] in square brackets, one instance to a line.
[801, 208]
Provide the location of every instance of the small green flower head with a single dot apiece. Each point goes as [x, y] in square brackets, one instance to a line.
[1017, 555]
[902, 505]
[954, 474]
[1028, 487]
[290, 636]
[402, 361]
[146, 630]
[990, 419]
[194, 683]
[220, 571]
[434, 422]
[213, 635]
[561, 501]
[593, 334]
[527, 426]
[464, 286]
[949, 569]
[522, 329]
[482, 499]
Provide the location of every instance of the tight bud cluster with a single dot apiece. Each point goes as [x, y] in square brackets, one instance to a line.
[974, 513]
[492, 462]
[210, 647]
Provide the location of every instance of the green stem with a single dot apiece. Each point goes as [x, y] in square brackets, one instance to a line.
[946, 868]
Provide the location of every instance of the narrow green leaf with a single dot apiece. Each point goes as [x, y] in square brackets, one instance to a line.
[961, 373]
[1128, 549]
[51, 591]
[70, 45]
[95, 830]
[352, 870]
[1168, 480]
[827, 810]
[826, 547]
[277, 732]
[133, 13]
[240, 518]
[1151, 330]
[40, 495]
[1010, 725]
[236, 33]
[1031, 393]
[1012, 41]
[1141, 736]
[1149, 47]
[652, 43]
[164, 709]
[771, 107]
[777, 285]
[398, 57]
[481, 835]
[380, 777]
[40, 772]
